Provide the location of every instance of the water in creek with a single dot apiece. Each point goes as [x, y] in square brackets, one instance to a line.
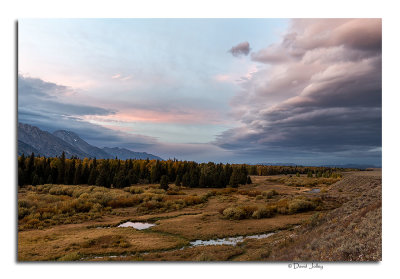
[136, 225]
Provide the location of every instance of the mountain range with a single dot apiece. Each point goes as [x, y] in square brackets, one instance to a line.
[344, 166]
[32, 139]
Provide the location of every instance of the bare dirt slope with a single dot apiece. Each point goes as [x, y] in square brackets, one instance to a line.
[351, 232]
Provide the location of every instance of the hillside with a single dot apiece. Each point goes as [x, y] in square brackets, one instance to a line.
[45, 143]
[32, 139]
[24, 148]
[351, 232]
[74, 140]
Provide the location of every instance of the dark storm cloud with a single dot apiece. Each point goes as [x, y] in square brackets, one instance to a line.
[240, 49]
[40, 104]
[45, 97]
[321, 93]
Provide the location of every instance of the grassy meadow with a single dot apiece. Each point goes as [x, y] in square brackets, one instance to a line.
[80, 222]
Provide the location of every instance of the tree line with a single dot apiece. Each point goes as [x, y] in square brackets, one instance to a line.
[117, 173]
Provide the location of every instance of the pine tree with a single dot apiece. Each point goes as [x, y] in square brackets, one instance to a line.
[132, 177]
[194, 177]
[235, 178]
[249, 180]
[92, 177]
[78, 174]
[69, 177]
[103, 179]
[164, 182]
[155, 172]
[35, 180]
[178, 180]
[49, 179]
[120, 180]
[186, 179]
[85, 175]
[21, 175]
[202, 180]
[29, 169]
[61, 169]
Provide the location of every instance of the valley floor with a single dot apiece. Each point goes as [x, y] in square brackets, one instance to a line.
[341, 221]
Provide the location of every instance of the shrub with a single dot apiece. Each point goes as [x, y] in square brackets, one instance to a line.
[70, 257]
[156, 191]
[249, 210]
[33, 222]
[211, 194]
[82, 205]
[150, 205]
[235, 213]
[130, 189]
[22, 212]
[124, 202]
[157, 198]
[264, 212]
[227, 191]
[192, 200]
[299, 205]
[25, 203]
[314, 220]
[175, 192]
[269, 194]
[96, 207]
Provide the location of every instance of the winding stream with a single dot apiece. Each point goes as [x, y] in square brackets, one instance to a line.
[136, 225]
[233, 241]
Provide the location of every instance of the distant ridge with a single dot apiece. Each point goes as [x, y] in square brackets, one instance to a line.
[353, 166]
[124, 154]
[276, 164]
[343, 166]
[24, 148]
[32, 139]
[74, 140]
[45, 143]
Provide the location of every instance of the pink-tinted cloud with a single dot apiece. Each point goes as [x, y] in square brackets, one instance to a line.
[153, 116]
[121, 77]
[320, 91]
[223, 78]
[310, 34]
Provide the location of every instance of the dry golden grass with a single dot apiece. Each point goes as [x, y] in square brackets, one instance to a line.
[201, 253]
[54, 243]
[186, 214]
[351, 232]
[210, 225]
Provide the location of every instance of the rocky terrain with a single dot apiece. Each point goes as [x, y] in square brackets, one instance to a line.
[32, 139]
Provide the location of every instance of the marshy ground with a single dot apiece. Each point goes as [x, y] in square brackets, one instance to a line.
[340, 222]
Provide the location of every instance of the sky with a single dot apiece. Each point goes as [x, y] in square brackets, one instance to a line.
[303, 91]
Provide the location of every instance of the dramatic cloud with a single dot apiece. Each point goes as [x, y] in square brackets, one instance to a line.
[42, 104]
[240, 49]
[39, 95]
[319, 93]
